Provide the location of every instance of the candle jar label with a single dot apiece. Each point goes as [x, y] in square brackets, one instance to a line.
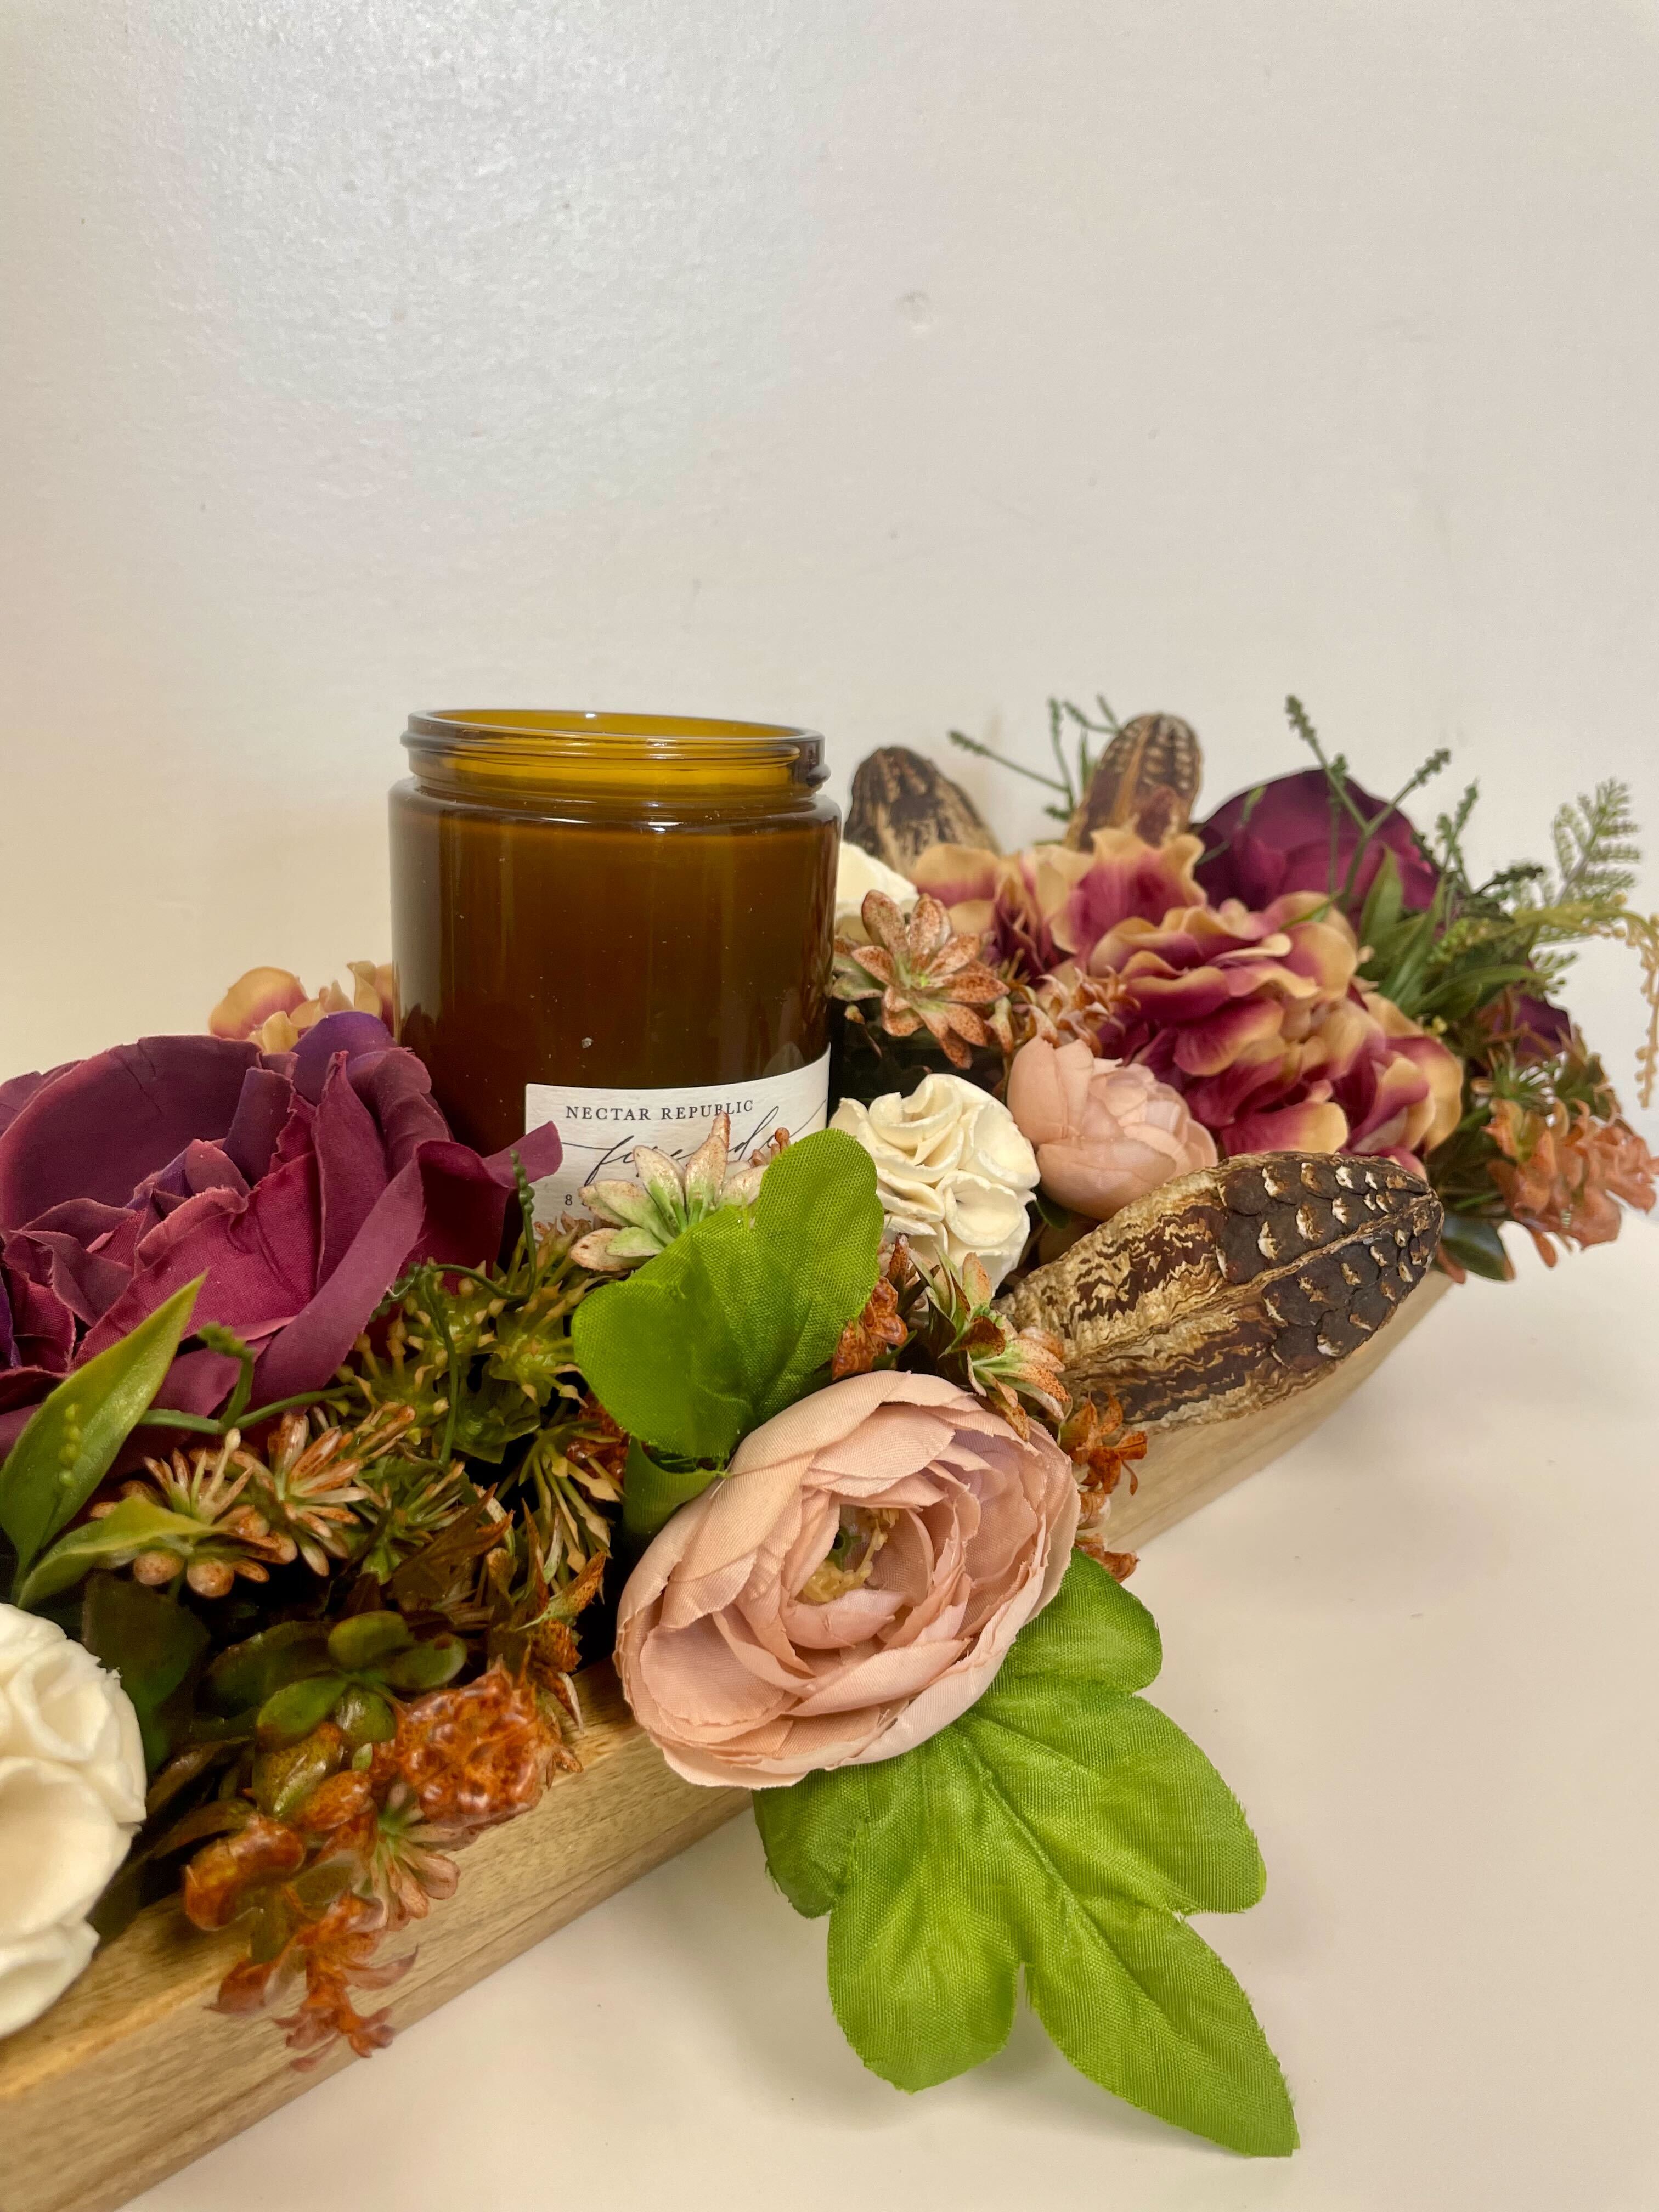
[600, 1128]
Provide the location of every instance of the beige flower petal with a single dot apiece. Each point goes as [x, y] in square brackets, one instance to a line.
[951, 1167]
[59, 1844]
[21, 1635]
[36, 1969]
[59, 1705]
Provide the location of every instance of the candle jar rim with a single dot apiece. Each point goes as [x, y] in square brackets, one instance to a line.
[559, 733]
[531, 757]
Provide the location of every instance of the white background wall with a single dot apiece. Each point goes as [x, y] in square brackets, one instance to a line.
[883, 364]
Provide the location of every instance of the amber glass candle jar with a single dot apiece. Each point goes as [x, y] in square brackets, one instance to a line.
[620, 923]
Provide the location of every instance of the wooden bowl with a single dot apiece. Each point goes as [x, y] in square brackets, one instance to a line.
[82, 2128]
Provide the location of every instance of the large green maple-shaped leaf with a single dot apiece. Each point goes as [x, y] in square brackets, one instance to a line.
[1062, 1826]
[731, 1323]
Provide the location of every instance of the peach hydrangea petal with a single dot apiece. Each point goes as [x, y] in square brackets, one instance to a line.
[253, 999]
[375, 990]
[1260, 1020]
[963, 878]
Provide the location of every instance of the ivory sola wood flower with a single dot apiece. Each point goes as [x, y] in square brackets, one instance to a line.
[71, 1797]
[952, 1170]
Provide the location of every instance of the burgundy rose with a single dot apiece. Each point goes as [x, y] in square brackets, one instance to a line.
[1531, 1029]
[1283, 843]
[302, 1183]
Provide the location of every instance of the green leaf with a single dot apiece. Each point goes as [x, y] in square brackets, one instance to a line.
[1384, 902]
[425, 1666]
[71, 1442]
[488, 1421]
[1062, 1826]
[1475, 1243]
[653, 1494]
[365, 1716]
[367, 1639]
[243, 1677]
[147, 1638]
[731, 1323]
[136, 1525]
[292, 1711]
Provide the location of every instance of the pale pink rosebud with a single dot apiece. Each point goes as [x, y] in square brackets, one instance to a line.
[1104, 1131]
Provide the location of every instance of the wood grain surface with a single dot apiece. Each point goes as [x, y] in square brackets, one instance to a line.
[131, 2076]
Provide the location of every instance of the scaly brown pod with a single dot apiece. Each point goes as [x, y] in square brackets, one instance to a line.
[902, 804]
[1147, 781]
[1229, 1289]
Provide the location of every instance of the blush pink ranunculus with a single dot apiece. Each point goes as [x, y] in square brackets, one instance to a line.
[849, 1587]
[1104, 1131]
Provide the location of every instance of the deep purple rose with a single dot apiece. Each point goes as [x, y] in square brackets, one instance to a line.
[301, 1183]
[1531, 1029]
[1285, 845]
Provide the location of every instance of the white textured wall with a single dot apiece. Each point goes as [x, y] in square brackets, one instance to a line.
[880, 363]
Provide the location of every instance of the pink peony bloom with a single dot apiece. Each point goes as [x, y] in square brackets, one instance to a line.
[1283, 843]
[849, 1587]
[1258, 1021]
[1105, 1132]
[1049, 903]
[303, 1183]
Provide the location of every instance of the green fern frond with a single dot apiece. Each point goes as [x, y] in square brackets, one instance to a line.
[1596, 851]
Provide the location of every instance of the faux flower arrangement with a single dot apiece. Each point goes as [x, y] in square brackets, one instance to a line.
[327, 1482]
[1304, 968]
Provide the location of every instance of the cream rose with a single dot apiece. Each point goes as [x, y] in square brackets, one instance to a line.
[56, 1703]
[952, 1170]
[71, 1797]
[849, 1587]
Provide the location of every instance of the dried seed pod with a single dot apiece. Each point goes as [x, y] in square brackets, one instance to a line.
[1227, 1289]
[1147, 781]
[902, 804]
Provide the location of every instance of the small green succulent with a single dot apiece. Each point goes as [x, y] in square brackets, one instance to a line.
[644, 1218]
[302, 1672]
